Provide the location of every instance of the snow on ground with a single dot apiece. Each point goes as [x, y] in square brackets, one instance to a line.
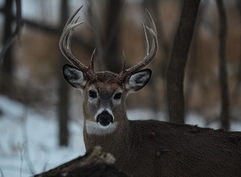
[29, 141]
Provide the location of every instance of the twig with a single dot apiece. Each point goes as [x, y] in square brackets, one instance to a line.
[24, 134]
[12, 168]
[1, 172]
[22, 154]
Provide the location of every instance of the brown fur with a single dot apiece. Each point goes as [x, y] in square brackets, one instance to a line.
[161, 149]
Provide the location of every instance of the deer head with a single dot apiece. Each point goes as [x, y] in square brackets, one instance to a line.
[105, 92]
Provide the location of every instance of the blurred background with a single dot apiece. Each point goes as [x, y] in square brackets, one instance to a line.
[41, 115]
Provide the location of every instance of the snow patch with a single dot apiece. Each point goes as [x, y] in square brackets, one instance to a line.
[29, 141]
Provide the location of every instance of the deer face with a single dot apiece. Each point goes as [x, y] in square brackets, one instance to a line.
[104, 97]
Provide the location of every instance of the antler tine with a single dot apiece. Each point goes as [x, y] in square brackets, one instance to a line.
[147, 46]
[150, 54]
[91, 66]
[65, 46]
[123, 61]
[69, 36]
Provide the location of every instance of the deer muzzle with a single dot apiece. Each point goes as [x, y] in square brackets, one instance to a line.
[104, 118]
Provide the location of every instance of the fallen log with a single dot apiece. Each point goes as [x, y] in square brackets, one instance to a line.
[94, 163]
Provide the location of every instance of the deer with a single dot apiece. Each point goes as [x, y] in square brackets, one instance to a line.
[144, 148]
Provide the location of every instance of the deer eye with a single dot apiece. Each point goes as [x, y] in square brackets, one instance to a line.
[117, 96]
[92, 94]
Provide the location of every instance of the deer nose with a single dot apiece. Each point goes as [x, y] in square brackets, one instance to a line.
[104, 118]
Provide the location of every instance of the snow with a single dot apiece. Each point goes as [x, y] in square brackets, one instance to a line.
[29, 141]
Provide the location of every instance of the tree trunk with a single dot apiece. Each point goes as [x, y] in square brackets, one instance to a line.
[236, 92]
[222, 65]
[7, 65]
[63, 90]
[112, 57]
[176, 68]
[192, 75]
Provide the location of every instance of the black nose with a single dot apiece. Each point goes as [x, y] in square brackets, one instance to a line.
[104, 118]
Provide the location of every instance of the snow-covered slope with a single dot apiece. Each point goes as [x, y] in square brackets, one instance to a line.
[29, 141]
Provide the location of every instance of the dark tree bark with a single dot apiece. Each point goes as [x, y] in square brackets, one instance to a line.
[112, 56]
[63, 115]
[6, 59]
[194, 56]
[176, 68]
[7, 65]
[8, 40]
[222, 65]
[238, 6]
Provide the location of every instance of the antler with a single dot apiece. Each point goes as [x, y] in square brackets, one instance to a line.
[150, 54]
[65, 48]
[64, 44]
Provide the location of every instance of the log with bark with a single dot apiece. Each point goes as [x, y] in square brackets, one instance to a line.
[94, 163]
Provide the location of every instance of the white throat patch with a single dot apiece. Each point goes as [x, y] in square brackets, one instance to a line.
[96, 129]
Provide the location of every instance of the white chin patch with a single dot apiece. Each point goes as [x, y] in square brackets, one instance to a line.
[97, 129]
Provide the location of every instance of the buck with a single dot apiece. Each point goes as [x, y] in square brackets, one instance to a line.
[144, 148]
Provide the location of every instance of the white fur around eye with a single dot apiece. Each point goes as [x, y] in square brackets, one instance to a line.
[117, 101]
[93, 100]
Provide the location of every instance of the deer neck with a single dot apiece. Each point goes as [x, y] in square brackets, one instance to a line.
[113, 141]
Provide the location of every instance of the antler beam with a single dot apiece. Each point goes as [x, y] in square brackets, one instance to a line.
[65, 46]
[150, 54]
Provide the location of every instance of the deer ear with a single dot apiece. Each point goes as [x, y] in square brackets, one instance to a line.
[74, 76]
[138, 80]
